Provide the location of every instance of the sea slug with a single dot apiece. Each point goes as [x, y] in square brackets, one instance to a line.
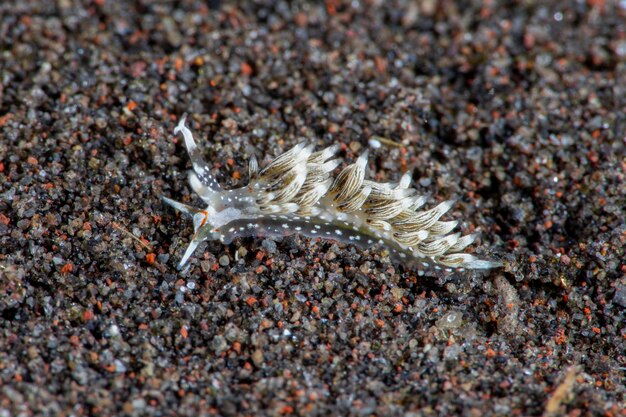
[297, 193]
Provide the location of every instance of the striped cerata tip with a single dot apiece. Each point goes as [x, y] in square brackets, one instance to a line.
[297, 193]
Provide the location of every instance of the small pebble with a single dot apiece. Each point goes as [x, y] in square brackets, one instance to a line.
[224, 260]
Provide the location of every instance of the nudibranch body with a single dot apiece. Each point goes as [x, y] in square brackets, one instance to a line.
[296, 193]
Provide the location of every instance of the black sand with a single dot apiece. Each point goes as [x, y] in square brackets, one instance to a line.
[517, 109]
